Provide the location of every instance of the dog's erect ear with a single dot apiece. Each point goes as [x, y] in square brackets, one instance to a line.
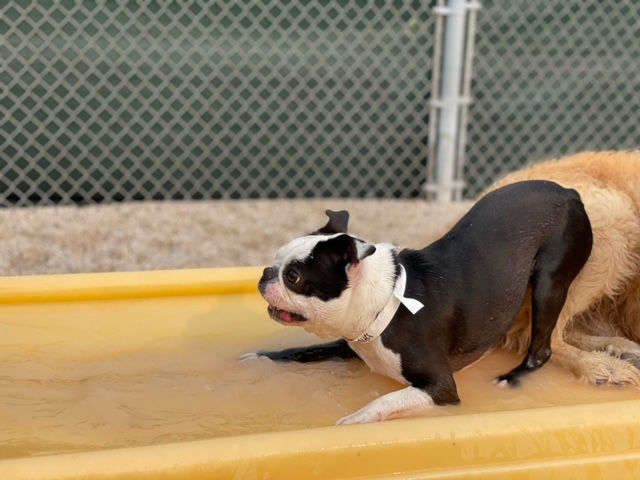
[364, 249]
[346, 249]
[337, 223]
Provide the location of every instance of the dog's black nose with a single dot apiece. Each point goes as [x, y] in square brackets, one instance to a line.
[268, 274]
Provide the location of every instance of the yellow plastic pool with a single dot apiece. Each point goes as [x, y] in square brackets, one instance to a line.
[135, 375]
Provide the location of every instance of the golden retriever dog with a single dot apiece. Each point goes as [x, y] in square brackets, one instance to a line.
[599, 325]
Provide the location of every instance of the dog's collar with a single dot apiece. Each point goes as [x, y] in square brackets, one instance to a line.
[386, 314]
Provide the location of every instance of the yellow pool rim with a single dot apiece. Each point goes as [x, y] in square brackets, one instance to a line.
[569, 441]
[120, 285]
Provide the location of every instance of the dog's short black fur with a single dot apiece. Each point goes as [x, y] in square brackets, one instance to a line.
[473, 282]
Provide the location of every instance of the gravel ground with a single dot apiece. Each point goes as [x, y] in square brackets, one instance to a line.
[161, 235]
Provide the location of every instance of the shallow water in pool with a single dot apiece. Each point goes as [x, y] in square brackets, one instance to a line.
[79, 376]
[51, 405]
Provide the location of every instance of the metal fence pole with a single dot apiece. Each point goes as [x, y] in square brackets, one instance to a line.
[434, 111]
[447, 145]
[466, 94]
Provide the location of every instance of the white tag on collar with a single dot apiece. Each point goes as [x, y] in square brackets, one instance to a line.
[389, 310]
[413, 305]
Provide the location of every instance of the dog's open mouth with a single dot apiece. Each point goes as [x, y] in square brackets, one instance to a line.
[283, 316]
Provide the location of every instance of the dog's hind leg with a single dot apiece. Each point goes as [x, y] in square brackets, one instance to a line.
[549, 292]
[620, 347]
[558, 263]
[616, 346]
[578, 351]
[312, 353]
[594, 366]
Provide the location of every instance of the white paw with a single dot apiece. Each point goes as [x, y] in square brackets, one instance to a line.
[248, 356]
[361, 416]
[501, 383]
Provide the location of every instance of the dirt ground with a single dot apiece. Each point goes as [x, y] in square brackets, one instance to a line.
[167, 235]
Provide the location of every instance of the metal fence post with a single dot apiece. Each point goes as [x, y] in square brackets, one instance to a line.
[450, 97]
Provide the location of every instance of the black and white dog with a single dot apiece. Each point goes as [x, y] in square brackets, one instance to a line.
[417, 316]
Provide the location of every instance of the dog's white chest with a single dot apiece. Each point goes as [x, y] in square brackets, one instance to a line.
[380, 359]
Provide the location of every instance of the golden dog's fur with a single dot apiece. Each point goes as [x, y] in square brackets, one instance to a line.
[599, 325]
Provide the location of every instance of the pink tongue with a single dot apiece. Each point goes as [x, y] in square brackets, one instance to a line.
[286, 316]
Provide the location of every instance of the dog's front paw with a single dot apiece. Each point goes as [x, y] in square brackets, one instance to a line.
[361, 416]
[249, 356]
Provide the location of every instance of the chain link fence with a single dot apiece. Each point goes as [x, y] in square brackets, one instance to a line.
[125, 100]
[212, 99]
[551, 77]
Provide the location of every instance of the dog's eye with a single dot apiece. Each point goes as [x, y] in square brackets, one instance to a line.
[292, 277]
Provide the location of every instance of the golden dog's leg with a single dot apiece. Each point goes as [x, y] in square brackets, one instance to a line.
[617, 346]
[595, 367]
[630, 308]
